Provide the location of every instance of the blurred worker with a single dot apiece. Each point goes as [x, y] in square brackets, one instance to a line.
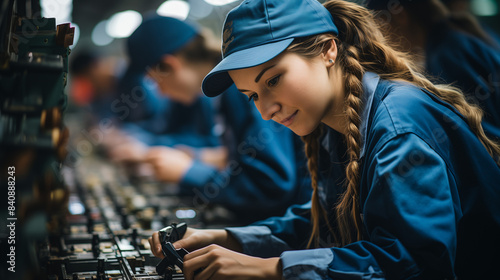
[264, 164]
[156, 119]
[452, 51]
[461, 12]
[93, 81]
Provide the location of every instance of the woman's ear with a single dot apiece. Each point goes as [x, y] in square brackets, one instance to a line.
[329, 54]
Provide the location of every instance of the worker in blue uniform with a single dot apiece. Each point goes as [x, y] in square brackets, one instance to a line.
[264, 169]
[458, 52]
[461, 11]
[406, 184]
[157, 119]
[152, 117]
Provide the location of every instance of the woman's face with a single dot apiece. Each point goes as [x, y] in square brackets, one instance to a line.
[295, 91]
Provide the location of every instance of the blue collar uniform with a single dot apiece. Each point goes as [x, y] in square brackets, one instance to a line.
[149, 116]
[430, 196]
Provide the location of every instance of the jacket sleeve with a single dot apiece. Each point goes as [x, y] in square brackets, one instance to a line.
[409, 217]
[261, 177]
[138, 131]
[273, 236]
[177, 124]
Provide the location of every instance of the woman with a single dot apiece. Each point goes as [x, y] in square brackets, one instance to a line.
[405, 182]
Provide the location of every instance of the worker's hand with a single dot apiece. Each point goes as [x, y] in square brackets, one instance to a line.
[113, 137]
[216, 262]
[170, 165]
[201, 243]
[213, 156]
[193, 239]
[216, 157]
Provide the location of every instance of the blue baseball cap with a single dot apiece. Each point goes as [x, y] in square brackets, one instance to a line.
[155, 37]
[256, 31]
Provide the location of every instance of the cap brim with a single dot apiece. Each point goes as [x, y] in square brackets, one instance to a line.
[218, 80]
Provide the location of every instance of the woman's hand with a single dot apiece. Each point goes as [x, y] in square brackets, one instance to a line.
[195, 239]
[213, 156]
[216, 262]
[216, 157]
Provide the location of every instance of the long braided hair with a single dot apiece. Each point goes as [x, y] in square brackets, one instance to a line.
[362, 47]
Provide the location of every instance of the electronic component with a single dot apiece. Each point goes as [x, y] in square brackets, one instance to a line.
[173, 256]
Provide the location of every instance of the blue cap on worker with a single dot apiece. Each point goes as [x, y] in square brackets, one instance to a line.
[256, 31]
[155, 37]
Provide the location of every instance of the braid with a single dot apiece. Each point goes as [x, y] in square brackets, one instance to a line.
[362, 47]
[471, 112]
[311, 146]
[348, 208]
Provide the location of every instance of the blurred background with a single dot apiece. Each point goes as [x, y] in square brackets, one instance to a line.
[87, 196]
[101, 27]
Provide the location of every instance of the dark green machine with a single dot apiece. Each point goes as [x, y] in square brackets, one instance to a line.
[33, 73]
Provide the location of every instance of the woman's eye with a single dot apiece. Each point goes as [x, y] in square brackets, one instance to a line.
[274, 81]
[253, 97]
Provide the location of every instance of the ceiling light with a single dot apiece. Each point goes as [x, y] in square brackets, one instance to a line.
[99, 35]
[174, 8]
[220, 2]
[122, 24]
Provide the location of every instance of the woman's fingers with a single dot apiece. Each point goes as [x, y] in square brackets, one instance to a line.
[199, 260]
[207, 272]
[200, 252]
[192, 240]
[187, 242]
[195, 239]
[190, 243]
[154, 242]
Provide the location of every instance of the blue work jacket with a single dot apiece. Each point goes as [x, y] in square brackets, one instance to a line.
[472, 65]
[177, 124]
[154, 119]
[429, 196]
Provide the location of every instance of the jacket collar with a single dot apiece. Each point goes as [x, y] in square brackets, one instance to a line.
[370, 82]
